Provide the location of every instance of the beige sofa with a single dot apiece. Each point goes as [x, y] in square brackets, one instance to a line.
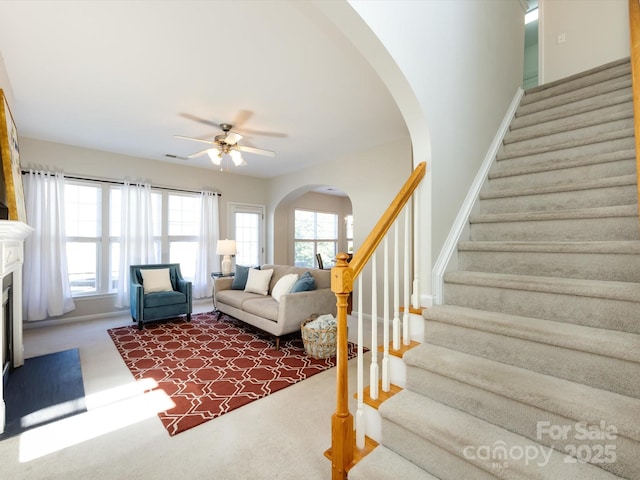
[277, 318]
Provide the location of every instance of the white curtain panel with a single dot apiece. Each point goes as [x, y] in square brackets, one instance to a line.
[136, 235]
[46, 289]
[206, 259]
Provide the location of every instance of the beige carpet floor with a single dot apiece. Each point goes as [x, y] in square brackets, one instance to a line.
[282, 436]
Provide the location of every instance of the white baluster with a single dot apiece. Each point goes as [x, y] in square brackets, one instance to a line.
[396, 288]
[407, 278]
[360, 420]
[415, 300]
[386, 382]
[374, 374]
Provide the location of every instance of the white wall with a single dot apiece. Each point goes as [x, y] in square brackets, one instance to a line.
[463, 62]
[596, 32]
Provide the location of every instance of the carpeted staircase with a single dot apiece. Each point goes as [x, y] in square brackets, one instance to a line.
[538, 342]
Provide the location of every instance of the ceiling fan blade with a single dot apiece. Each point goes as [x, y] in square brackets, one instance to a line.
[262, 133]
[177, 157]
[195, 139]
[232, 138]
[242, 117]
[259, 151]
[200, 120]
[198, 154]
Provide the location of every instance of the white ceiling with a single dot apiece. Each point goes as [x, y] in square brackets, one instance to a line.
[125, 77]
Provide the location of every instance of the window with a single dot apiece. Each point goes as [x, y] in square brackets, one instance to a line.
[315, 232]
[184, 228]
[93, 228]
[115, 223]
[83, 207]
[349, 234]
[246, 223]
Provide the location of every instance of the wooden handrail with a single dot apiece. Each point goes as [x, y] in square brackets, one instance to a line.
[342, 276]
[634, 29]
[362, 256]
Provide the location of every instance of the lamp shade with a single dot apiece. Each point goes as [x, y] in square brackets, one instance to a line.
[226, 247]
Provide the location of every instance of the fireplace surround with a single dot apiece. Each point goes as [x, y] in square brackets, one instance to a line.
[12, 236]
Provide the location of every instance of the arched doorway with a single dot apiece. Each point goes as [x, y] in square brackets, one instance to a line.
[309, 220]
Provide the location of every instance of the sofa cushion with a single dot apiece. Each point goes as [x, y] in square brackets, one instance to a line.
[162, 299]
[240, 277]
[322, 277]
[258, 281]
[284, 286]
[156, 280]
[265, 307]
[305, 283]
[235, 298]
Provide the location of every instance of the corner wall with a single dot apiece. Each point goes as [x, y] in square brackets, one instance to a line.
[595, 32]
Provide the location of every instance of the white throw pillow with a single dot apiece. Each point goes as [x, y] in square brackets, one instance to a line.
[156, 280]
[283, 285]
[258, 281]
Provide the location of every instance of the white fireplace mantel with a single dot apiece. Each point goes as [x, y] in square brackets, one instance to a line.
[12, 236]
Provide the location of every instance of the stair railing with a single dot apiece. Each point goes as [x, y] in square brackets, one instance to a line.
[634, 29]
[343, 438]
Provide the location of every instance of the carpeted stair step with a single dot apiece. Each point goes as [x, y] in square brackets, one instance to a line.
[591, 356]
[593, 77]
[602, 192]
[532, 102]
[612, 164]
[493, 391]
[534, 105]
[422, 428]
[616, 261]
[598, 304]
[606, 114]
[575, 108]
[382, 464]
[613, 130]
[599, 146]
[602, 223]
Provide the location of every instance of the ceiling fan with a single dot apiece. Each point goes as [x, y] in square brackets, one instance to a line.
[226, 144]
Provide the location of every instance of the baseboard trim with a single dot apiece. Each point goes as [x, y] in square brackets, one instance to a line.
[95, 316]
[462, 219]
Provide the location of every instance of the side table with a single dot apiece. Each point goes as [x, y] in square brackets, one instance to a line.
[215, 275]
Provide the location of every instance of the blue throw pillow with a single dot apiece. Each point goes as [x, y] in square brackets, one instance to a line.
[305, 283]
[240, 277]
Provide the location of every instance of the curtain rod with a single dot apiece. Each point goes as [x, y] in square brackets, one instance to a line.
[117, 182]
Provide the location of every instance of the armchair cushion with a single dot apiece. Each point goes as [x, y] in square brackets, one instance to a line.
[156, 280]
[162, 299]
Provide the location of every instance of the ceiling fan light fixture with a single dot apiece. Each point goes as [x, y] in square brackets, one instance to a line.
[215, 155]
[236, 156]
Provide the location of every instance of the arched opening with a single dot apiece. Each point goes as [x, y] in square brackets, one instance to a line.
[323, 214]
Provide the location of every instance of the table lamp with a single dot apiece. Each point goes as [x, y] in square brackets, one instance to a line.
[226, 248]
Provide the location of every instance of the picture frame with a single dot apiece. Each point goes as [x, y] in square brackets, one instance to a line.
[10, 157]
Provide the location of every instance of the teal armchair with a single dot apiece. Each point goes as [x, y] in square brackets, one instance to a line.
[170, 299]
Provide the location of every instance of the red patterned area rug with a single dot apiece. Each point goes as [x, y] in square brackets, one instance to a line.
[209, 367]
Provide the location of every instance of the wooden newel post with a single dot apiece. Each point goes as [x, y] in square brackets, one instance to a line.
[342, 436]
